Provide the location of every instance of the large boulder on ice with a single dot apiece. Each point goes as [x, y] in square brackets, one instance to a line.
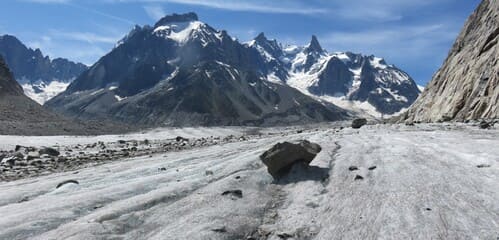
[282, 156]
[359, 122]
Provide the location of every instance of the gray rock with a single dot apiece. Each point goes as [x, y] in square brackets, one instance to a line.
[49, 151]
[282, 156]
[358, 123]
[32, 155]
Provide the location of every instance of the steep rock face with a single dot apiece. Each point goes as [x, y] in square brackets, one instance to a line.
[40, 77]
[467, 85]
[8, 86]
[184, 72]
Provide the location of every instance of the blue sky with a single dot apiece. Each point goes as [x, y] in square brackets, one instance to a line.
[415, 35]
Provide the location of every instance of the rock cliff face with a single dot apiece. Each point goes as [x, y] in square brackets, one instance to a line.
[8, 86]
[466, 86]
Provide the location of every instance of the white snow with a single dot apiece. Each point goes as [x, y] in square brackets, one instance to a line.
[48, 91]
[425, 186]
[376, 63]
[274, 79]
[179, 32]
[118, 98]
[421, 88]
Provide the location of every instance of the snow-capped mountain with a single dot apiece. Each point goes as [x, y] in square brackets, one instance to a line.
[366, 84]
[182, 71]
[40, 77]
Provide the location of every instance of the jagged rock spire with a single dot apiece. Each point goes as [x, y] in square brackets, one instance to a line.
[314, 45]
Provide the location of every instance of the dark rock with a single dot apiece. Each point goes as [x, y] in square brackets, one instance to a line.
[181, 139]
[353, 168]
[67, 182]
[49, 151]
[282, 156]
[220, 229]
[359, 122]
[358, 177]
[284, 235]
[485, 125]
[483, 166]
[235, 193]
[175, 18]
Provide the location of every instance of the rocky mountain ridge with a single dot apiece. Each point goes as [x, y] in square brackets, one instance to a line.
[353, 81]
[41, 77]
[184, 72]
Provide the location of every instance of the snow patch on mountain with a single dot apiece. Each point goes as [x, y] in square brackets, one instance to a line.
[42, 92]
[179, 32]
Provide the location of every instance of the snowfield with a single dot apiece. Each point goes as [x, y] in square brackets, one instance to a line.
[426, 184]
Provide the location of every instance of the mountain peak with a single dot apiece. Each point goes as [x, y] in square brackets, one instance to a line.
[314, 45]
[261, 37]
[186, 17]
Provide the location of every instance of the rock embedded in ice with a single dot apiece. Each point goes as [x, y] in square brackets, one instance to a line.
[353, 168]
[358, 123]
[282, 156]
[486, 125]
[72, 181]
[234, 193]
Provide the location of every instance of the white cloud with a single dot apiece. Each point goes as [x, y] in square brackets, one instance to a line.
[85, 37]
[396, 41]
[154, 11]
[290, 6]
[47, 1]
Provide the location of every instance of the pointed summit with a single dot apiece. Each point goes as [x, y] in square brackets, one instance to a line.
[314, 45]
[261, 37]
[187, 17]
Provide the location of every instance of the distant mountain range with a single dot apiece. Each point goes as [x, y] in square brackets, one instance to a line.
[182, 71]
[353, 81]
[40, 77]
